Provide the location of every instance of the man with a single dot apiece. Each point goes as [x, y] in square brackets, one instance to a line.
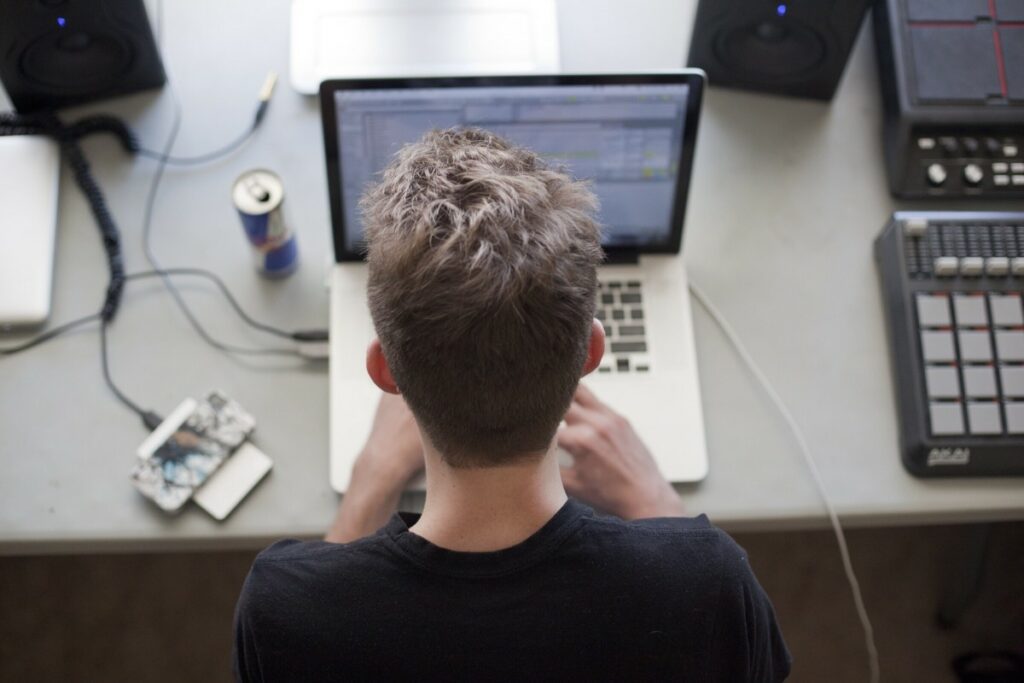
[482, 288]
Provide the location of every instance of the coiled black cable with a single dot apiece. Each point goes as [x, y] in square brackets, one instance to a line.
[68, 136]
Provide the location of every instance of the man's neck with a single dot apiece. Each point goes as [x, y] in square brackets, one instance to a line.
[491, 508]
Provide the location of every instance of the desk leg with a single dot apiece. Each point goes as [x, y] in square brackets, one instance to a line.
[968, 571]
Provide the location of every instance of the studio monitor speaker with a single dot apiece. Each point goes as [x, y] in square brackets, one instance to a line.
[55, 53]
[795, 47]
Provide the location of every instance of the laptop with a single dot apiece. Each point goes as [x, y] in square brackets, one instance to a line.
[633, 137]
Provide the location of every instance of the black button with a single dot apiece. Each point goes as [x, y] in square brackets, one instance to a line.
[622, 364]
[607, 298]
[970, 146]
[631, 297]
[949, 146]
[629, 347]
[993, 147]
[637, 314]
[618, 314]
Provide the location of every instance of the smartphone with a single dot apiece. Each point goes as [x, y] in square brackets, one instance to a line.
[188, 447]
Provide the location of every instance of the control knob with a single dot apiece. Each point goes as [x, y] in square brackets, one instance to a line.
[936, 174]
[973, 174]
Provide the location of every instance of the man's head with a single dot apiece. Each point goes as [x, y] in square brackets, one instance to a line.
[482, 287]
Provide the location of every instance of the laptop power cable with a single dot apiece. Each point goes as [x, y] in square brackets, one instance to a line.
[844, 552]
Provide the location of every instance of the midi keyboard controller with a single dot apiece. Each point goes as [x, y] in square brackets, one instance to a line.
[953, 284]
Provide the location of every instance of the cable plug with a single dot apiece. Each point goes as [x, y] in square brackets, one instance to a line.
[310, 335]
[266, 92]
[151, 420]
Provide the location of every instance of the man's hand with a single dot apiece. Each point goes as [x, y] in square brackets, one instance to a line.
[393, 455]
[612, 470]
[393, 451]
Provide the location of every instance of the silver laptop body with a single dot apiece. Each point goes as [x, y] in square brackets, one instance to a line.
[633, 136]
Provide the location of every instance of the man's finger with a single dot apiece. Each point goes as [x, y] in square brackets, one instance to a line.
[578, 440]
[587, 398]
[571, 481]
[577, 414]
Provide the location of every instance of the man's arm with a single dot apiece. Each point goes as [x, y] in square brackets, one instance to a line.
[747, 642]
[392, 456]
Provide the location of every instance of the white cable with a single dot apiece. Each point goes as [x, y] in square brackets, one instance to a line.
[851, 577]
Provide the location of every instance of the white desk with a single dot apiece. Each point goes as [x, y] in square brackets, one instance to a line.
[787, 197]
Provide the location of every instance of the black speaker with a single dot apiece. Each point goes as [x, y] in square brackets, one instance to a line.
[796, 47]
[55, 53]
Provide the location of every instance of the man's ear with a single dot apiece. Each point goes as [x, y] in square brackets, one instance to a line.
[595, 348]
[377, 368]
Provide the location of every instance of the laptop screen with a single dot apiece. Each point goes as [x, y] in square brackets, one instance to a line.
[626, 139]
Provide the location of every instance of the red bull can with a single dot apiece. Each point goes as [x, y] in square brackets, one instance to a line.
[259, 197]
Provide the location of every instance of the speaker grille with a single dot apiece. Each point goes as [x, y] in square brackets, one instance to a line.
[76, 62]
[770, 49]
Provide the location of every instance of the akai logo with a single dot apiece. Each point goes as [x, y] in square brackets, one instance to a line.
[949, 456]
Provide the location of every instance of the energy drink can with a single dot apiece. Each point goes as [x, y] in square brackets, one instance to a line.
[259, 197]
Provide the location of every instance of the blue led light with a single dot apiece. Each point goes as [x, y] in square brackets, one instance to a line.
[60, 22]
[780, 10]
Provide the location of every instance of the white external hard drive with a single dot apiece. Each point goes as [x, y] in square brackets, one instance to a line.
[29, 177]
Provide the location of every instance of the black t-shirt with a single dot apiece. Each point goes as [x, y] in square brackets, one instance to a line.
[585, 598]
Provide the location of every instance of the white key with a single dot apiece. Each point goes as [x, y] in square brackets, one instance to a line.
[997, 265]
[1006, 309]
[1010, 345]
[933, 310]
[972, 266]
[915, 227]
[1012, 377]
[948, 266]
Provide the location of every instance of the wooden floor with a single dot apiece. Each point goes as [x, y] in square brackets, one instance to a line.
[168, 617]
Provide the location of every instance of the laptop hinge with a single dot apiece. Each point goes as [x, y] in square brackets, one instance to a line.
[621, 257]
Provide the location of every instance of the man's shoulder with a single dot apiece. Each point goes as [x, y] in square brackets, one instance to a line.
[659, 532]
[296, 553]
[685, 547]
[296, 565]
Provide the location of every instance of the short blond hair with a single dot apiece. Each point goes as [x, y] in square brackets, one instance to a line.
[482, 287]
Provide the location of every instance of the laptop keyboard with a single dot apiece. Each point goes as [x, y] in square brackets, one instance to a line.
[620, 308]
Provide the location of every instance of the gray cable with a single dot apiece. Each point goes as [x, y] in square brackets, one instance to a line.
[147, 225]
